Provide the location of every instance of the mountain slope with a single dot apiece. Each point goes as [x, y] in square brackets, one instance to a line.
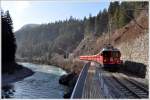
[40, 41]
[132, 40]
[128, 34]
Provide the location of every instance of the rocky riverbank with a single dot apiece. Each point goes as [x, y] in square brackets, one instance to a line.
[70, 81]
[17, 75]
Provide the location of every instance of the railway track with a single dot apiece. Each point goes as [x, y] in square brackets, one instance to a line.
[130, 87]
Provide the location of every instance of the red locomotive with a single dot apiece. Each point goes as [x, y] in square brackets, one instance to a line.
[109, 57]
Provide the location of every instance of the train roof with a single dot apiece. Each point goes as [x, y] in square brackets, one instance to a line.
[106, 49]
[110, 49]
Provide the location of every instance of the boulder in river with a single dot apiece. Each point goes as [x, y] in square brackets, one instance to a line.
[70, 81]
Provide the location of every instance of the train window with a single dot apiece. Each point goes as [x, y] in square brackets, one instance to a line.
[115, 54]
[106, 53]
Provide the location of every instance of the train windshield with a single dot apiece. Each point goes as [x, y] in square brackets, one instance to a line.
[106, 53]
[111, 53]
[115, 54]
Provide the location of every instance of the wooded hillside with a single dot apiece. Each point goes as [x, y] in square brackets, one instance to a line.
[42, 42]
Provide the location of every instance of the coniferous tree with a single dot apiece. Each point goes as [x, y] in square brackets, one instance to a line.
[104, 21]
[98, 24]
[90, 25]
[8, 42]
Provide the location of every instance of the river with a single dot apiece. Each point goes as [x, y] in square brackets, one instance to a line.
[42, 84]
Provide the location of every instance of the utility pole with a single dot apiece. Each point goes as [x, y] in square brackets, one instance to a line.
[109, 26]
[109, 31]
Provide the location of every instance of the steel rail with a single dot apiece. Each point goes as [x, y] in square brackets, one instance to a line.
[137, 85]
[128, 88]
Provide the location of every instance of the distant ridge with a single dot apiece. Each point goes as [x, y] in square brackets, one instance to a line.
[26, 26]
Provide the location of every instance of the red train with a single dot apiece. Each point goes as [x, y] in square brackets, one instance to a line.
[109, 58]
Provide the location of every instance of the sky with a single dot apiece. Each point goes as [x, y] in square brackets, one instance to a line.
[40, 12]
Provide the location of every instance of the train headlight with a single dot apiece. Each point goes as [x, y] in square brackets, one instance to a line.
[105, 60]
[111, 59]
[118, 61]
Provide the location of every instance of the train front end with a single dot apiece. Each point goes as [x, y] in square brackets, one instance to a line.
[111, 59]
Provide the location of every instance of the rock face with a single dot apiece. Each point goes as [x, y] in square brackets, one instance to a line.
[138, 69]
[70, 81]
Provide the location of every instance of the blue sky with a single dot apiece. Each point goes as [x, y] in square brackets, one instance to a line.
[38, 12]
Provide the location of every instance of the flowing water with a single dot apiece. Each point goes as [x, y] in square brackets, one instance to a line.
[42, 84]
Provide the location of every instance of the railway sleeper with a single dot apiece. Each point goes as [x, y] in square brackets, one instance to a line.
[133, 87]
